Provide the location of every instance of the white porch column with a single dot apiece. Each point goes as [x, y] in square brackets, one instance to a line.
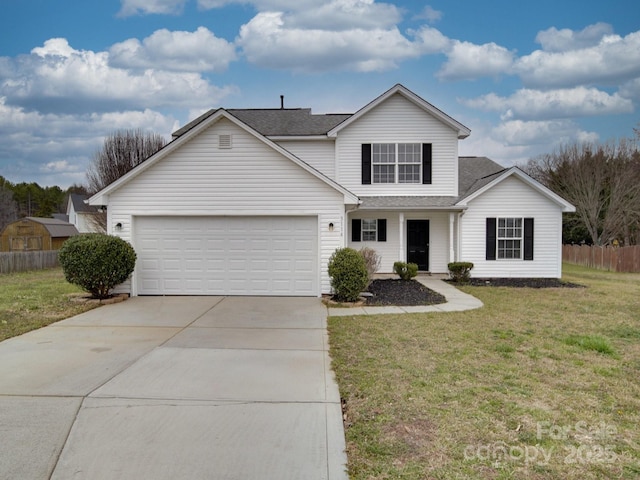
[401, 255]
[452, 251]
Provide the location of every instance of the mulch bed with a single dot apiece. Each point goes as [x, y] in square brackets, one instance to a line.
[402, 293]
[521, 283]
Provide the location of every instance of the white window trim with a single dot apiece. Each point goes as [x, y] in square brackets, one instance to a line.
[519, 239]
[396, 164]
[373, 227]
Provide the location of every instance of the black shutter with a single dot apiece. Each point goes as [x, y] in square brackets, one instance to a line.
[356, 229]
[528, 238]
[426, 164]
[366, 164]
[382, 229]
[491, 239]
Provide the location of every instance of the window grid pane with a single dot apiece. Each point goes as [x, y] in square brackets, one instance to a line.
[384, 153]
[401, 163]
[384, 174]
[509, 238]
[369, 229]
[409, 153]
[409, 173]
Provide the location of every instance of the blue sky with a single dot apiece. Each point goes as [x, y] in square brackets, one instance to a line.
[523, 76]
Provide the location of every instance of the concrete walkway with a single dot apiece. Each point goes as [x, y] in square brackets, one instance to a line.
[174, 388]
[457, 301]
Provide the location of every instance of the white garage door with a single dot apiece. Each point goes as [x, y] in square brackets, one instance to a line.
[227, 256]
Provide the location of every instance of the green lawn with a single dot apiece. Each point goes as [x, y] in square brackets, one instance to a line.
[538, 384]
[33, 300]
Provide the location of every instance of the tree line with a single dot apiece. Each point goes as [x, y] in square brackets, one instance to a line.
[18, 200]
[121, 151]
[602, 180]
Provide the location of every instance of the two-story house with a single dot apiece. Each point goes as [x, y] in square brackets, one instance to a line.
[255, 201]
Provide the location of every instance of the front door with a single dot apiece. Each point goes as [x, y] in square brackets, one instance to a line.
[418, 243]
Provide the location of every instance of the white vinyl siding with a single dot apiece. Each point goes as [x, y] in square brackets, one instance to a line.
[512, 198]
[389, 251]
[320, 154]
[250, 179]
[397, 120]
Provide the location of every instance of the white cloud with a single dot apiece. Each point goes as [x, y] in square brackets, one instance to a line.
[339, 15]
[163, 7]
[563, 103]
[631, 89]
[545, 133]
[331, 15]
[431, 40]
[66, 141]
[429, 14]
[198, 51]
[268, 42]
[515, 142]
[612, 60]
[554, 40]
[467, 60]
[56, 77]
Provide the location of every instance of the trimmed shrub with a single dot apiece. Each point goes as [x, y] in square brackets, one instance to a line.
[97, 262]
[406, 271]
[371, 261]
[460, 272]
[348, 274]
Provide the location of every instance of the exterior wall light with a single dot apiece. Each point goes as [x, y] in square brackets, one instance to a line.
[331, 227]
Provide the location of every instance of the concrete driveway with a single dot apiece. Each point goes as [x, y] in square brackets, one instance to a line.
[174, 388]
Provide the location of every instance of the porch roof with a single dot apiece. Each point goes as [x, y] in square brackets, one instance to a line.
[410, 203]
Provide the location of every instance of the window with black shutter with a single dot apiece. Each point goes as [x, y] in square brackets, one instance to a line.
[369, 230]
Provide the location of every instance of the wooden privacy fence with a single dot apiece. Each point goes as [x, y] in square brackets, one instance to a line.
[11, 262]
[615, 259]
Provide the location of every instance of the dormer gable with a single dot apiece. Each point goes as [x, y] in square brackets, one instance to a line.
[398, 89]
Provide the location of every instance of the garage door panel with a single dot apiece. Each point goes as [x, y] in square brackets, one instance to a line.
[227, 255]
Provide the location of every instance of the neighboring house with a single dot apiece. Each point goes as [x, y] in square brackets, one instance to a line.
[81, 214]
[254, 202]
[33, 233]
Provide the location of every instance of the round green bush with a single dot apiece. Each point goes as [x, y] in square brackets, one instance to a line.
[348, 274]
[97, 262]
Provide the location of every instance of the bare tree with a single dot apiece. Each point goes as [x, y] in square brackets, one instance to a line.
[602, 181]
[121, 152]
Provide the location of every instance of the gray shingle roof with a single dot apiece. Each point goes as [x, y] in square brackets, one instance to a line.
[406, 203]
[78, 203]
[278, 122]
[286, 122]
[475, 172]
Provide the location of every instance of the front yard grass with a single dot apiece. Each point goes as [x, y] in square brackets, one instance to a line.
[33, 300]
[538, 384]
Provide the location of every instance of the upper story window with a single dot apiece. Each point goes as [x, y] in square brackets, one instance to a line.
[396, 163]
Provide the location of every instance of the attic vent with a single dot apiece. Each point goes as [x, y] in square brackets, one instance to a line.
[224, 141]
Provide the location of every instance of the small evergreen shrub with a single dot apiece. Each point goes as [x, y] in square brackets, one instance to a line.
[406, 271]
[97, 262]
[460, 272]
[371, 261]
[348, 274]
